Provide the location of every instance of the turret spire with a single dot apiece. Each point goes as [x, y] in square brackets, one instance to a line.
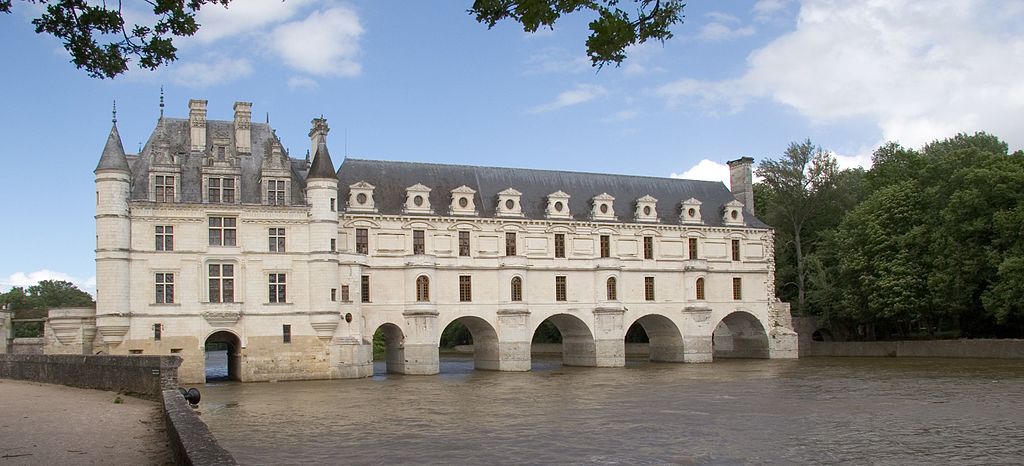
[113, 157]
[114, 113]
[322, 166]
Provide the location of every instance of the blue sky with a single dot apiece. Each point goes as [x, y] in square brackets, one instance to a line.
[423, 81]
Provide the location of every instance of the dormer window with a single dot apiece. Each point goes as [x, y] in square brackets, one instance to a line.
[462, 201]
[360, 197]
[689, 212]
[276, 192]
[163, 188]
[558, 205]
[509, 203]
[733, 213]
[221, 190]
[602, 207]
[417, 199]
[645, 209]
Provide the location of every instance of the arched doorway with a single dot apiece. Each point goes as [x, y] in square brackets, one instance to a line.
[389, 347]
[223, 356]
[739, 335]
[663, 338]
[578, 346]
[477, 332]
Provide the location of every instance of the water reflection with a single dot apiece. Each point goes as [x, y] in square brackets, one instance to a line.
[816, 410]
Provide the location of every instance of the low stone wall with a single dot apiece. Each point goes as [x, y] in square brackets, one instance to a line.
[143, 376]
[998, 349]
[190, 438]
[27, 345]
[632, 349]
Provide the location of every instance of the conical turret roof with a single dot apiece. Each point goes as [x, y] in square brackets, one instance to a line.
[322, 166]
[113, 157]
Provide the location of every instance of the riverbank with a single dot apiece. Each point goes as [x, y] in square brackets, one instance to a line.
[54, 424]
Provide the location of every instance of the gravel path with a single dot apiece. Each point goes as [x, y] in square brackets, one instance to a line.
[57, 425]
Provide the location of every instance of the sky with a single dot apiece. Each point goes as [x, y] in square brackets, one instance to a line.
[423, 81]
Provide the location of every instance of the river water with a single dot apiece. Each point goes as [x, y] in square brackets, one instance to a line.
[814, 410]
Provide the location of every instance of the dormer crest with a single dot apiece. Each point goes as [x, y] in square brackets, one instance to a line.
[462, 201]
[417, 199]
[509, 203]
[558, 205]
[689, 212]
[360, 197]
[602, 207]
[646, 209]
[732, 213]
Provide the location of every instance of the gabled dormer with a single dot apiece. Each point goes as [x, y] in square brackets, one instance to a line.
[646, 209]
[732, 213]
[164, 170]
[689, 212]
[417, 199]
[275, 176]
[509, 203]
[462, 201]
[558, 205]
[360, 197]
[602, 207]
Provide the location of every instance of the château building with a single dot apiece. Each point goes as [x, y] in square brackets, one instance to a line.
[214, 233]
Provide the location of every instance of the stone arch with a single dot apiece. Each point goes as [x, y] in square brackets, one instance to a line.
[486, 354]
[230, 367]
[665, 338]
[394, 347]
[739, 335]
[578, 345]
[822, 334]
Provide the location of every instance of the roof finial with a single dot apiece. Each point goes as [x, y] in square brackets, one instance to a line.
[140, 147]
[114, 112]
[268, 118]
[161, 102]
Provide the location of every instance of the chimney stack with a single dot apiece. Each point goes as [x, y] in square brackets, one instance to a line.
[741, 181]
[197, 123]
[318, 133]
[243, 123]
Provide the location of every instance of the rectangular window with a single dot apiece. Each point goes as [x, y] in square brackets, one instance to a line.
[559, 245]
[276, 236]
[735, 249]
[158, 330]
[418, 245]
[344, 293]
[286, 333]
[737, 288]
[464, 243]
[334, 205]
[222, 283]
[693, 248]
[275, 192]
[362, 241]
[276, 283]
[510, 244]
[165, 288]
[164, 238]
[649, 288]
[334, 294]
[606, 246]
[648, 247]
[334, 245]
[364, 289]
[222, 231]
[163, 188]
[221, 190]
[560, 288]
[465, 288]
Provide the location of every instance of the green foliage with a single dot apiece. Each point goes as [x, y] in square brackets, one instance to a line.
[456, 334]
[547, 332]
[611, 32]
[34, 302]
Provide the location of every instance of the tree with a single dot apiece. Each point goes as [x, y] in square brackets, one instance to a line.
[34, 302]
[801, 186]
[102, 43]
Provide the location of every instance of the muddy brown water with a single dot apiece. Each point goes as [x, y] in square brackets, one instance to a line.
[814, 410]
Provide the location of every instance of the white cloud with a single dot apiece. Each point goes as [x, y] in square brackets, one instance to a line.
[575, 96]
[707, 170]
[919, 71]
[552, 60]
[23, 279]
[217, 70]
[766, 9]
[242, 17]
[716, 31]
[325, 43]
[301, 83]
[624, 115]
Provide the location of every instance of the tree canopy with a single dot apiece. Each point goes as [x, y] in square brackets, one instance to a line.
[102, 43]
[33, 302]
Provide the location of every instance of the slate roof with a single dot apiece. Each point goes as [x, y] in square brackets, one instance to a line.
[113, 157]
[392, 178]
[322, 166]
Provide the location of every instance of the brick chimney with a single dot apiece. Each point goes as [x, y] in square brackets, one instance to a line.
[197, 122]
[741, 181]
[243, 122]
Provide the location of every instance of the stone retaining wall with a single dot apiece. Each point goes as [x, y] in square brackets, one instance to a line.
[27, 345]
[999, 349]
[190, 438]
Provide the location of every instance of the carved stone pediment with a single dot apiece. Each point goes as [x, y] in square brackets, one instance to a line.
[222, 318]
